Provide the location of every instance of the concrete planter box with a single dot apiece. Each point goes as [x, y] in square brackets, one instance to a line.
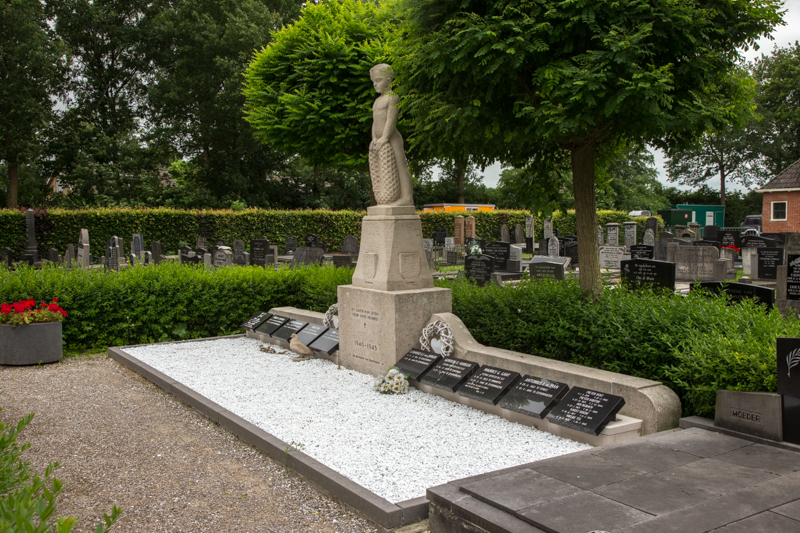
[30, 344]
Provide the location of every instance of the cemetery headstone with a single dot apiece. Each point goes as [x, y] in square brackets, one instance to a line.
[489, 384]
[479, 268]
[158, 252]
[534, 396]
[137, 244]
[326, 343]
[206, 258]
[630, 233]
[505, 234]
[501, 251]
[202, 242]
[69, 257]
[586, 410]
[246, 258]
[259, 249]
[648, 272]
[307, 256]
[312, 241]
[350, 245]
[739, 291]
[291, 245]
[643, 251]
[342, 261]
[649, 237]
[611, 256]
[695, 263]
[221, 242]
[52, 255]
[449, 373]
[793, 277]
[571, 250]
[459, 229]
[711, 232]
[31, 251]
[652, 224]
[449, 242]
[470, 228]
[752, 241]
[8, 256]
[256, 320]
[788, 353]
[546, 270]
[600, 236]
[310, 333]
[753, 413]
[768, 261]
[730, 238]
[223, 257]
[439, 235]
[519, 235]
[121, 246]
[112, 258]
[238, 253]
[529, 232]
[271, 325]
[417, 363]
[547, 228]
[147, 258]
[552, 247]
[612, 234]
[514, 263]
[83, 237]
[286, 330]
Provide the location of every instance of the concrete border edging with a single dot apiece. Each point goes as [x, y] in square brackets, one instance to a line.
[366, 503]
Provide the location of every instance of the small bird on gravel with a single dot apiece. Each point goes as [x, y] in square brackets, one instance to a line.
[303, 351]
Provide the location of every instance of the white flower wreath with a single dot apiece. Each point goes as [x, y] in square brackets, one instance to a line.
[441, 331]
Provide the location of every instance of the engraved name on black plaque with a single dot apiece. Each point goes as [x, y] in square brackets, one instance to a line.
[256, 320]
[489, 384]
[450, 373]
[501, 251]
[479, 268]
[793, 277]
[534, 396]
[416, 363]
[271, 325]
[648, 272]
[586, 410]
[310, 333]
[643, 251]
[327, 343]
[768, 261]
[286, 330]
[546, 270]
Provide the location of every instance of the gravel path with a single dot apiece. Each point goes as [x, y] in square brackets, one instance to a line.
[123, 441]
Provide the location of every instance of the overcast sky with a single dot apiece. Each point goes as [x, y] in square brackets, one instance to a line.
[783, 36]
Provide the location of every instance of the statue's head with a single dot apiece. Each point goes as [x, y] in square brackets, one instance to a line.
[381, 76]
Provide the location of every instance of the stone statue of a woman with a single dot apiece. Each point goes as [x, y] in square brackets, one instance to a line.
[391, 181]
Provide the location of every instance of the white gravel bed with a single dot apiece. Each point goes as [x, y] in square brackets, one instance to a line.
[394, 445]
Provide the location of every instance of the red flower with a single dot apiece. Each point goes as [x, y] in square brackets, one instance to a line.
[55, 299]
[53, 307]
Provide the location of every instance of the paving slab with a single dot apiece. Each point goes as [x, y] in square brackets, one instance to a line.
[517, 490]
[656, 494]
[698, 442]
[719, 477]
[644, 456]
[585, 471]
[582, 512]
[792, 509]
[767, 522]
[764, 458]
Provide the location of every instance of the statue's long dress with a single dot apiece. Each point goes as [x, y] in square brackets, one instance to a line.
[384, 173]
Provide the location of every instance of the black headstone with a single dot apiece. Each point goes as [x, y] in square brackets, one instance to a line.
[158, 252]
[711, 233]
[439, 235]
[259, 250]
[312, 241]
[350, 245]
[271, 325]
[343, 261]
[643, 251]
[137, 244]
[291, 245]
[501, 251]
[570, 249]
[310, 333]
[730, 238]
[8, 256]
[479, 268]
[256, 320]
[449, 373]
[534, 396]
[416, 363]
[648, 272]
[793, 277]
[307, 256]
[327, 343]
[238, 252]
[788, 353]
[286, 330]
[751, 241]
[52, 255]
[546, 270]
[739, 291]
[586, 410]
[768, 261]
[489, 384]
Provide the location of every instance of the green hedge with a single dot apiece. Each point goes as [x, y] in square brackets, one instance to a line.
[59, 227]
[695, 344]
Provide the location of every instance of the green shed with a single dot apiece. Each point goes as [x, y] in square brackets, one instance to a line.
[705, 215]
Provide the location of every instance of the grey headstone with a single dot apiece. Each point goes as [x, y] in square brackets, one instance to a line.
[696, 263]
[246, 258]
[600, 236]
[207, 261]
[505, 234]
[612, 234]
[83, 257]
[343, 261]
[611, 256]
[458, 234]
[291, 245]
[350, 245]
[52, 255]
[552, 247]
[147, 258]
[652, 224]
[137, 244]
[546, 270]
[31, 252]
[69, 257]
[630, 233]
[547, 228]
[113, 255]
[202, 242]
[158, 252]
[649, 237]
[7, 255]
[470, 229]
[238, 252]
[223, 257]
[519, 235]
[754, 413]
[529, 226]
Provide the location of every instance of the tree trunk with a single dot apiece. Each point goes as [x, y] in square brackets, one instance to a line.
[13, 174]
[583, 158]
[722, 187]
[461, 170]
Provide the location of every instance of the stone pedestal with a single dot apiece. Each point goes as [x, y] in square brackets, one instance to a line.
[377, 328]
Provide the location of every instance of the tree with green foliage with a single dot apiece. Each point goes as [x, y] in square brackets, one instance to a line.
[778, 76]
[32, 70]
[309, 93]
[528, 80]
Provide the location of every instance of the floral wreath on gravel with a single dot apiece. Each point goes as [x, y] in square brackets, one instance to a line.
[438, 330]
[26, 312]
[394, 382]
[329, 314]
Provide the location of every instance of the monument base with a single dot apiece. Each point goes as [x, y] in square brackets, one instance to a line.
[377, 328]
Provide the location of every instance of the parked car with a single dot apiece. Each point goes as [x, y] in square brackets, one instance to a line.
[639, 214]
[752, 221]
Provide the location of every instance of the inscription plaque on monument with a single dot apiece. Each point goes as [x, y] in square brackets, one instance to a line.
[648, 272]
[501, 251]
[291, 244]
[643, 251]
[534, 396]
[310, 333]
[417, 363]
[788, 354]
[269, 326]
[256, 320]
[739, 291]
[449, 373]
[439, 235]
[768, 261]
[479, 268]
[546, 270]
[259, 250]
[489, 384]
[611, 256]
[586, 410]
[793, 277]
[730, 238]
[286, 330]
[327, 343]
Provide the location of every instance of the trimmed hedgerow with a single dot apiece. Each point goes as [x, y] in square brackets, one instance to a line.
[57, 228]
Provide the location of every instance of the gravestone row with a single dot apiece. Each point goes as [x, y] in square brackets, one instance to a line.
[319, 338]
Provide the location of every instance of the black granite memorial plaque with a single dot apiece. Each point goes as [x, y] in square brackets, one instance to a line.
[534, 396]
[238, 253]
[259, 250]
[501, 251]
[439, 235]
[327, 343]
[286, 330]
[489, 384]
[449, 373]
[479, 268]
[793, 277]
[416, 363]
[729, 238]
[739, 291]
[310, 333]
[546, 270]
[570, 249]
[768, 261]
[586, 410]
[789, 386]
[343, 261]
[643, 251]
[269, 326]
[648, 272]
[751, 241]
[256, 320]
[711, 232]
